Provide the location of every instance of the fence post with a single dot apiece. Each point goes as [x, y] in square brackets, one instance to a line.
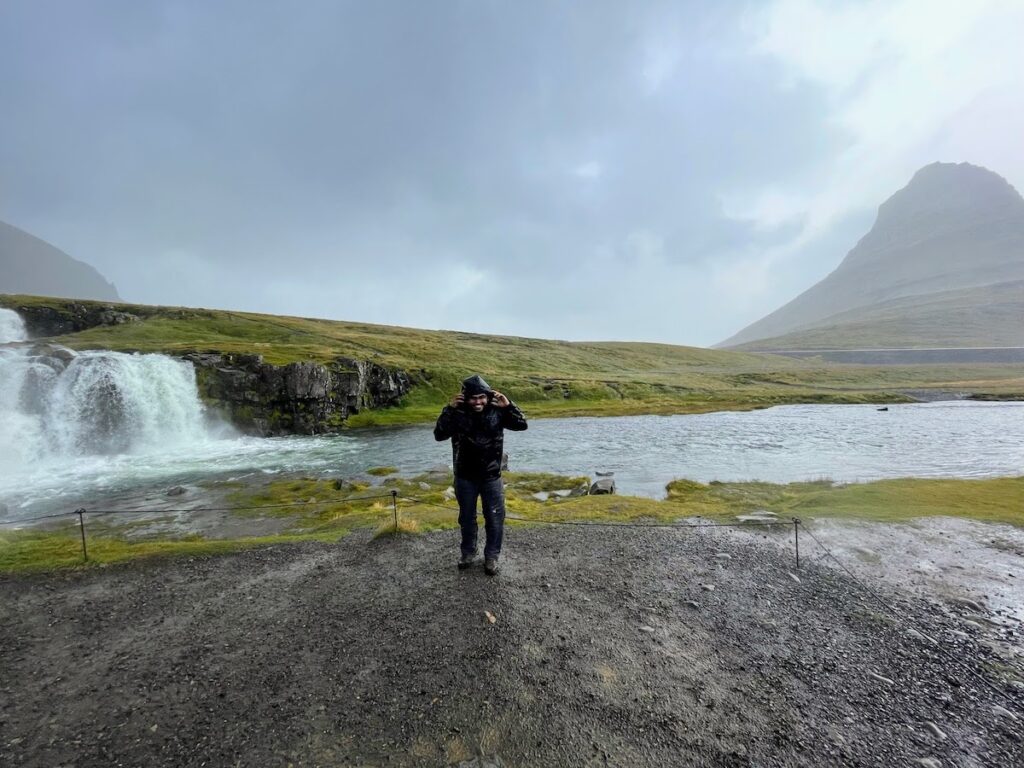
[394, 506]
[796, 539]
[81, 527]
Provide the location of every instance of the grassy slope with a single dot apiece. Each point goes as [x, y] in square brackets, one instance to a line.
[550, 378]
[331, 510]
[988, 316]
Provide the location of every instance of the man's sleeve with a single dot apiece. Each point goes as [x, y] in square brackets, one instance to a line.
[444, 428]
[512, 418]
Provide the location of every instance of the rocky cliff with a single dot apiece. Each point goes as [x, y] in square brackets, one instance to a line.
[43, 320]
[299, 398]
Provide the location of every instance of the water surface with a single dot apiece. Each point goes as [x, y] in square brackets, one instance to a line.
[849, 443]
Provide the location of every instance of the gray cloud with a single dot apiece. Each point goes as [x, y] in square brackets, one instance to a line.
[552, 169]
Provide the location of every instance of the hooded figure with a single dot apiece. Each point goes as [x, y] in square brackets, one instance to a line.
[475, 420]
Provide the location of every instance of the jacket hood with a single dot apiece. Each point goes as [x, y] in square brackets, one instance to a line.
[475, 385]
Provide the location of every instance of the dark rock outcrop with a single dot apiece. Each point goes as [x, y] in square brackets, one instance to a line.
[298, 398]
[70, 317]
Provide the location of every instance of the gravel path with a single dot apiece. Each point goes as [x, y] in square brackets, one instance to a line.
[608, 647]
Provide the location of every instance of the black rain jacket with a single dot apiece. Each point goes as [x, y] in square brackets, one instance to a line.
[478, 438]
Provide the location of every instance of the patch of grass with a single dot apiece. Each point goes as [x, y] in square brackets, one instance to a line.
[995, 500]
[532, 482]
[34, 550]
[406, 526]
[381, 471]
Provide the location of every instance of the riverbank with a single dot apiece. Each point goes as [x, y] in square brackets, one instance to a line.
[586, 650]
[549, 378]
[224, 516]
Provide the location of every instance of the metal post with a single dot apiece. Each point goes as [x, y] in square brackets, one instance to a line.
[796, 539]
[81, 527]
[394, 506]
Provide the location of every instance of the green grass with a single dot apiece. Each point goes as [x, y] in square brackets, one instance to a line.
[38, 550]
[327, 513]
[546, 377]
[996, 500]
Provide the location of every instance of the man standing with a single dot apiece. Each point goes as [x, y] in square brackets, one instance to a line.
[475, 420]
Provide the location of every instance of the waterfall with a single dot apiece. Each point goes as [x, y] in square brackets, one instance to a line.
[56, 404]
[12, 327]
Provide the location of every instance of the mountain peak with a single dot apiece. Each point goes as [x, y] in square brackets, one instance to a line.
[939, 189]
[954, 226]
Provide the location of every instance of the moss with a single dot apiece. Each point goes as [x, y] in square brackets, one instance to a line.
[381, 471]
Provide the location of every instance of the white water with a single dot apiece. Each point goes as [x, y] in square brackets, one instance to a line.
[12, 327]
[65, 409]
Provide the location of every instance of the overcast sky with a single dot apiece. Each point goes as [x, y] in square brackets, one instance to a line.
[576, 170]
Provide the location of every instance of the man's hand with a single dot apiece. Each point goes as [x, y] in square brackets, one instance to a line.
[499, 401]
[457, 401]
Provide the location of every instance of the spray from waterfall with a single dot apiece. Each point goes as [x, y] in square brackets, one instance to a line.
[12, 327]
[56, 404]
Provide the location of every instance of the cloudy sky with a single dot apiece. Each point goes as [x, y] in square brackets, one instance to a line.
[577, 170]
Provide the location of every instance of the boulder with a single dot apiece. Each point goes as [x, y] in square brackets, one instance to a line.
[603, 485]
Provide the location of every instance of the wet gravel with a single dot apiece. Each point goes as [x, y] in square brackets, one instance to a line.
[607, 647]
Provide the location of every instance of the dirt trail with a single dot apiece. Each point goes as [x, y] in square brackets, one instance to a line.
[607, 649]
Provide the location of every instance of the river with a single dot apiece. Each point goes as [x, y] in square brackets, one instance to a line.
[848, 443]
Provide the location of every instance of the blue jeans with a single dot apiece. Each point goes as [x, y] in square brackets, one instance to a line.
[492, 494]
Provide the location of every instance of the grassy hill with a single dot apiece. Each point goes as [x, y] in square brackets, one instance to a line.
[991, 315]
[548, 377]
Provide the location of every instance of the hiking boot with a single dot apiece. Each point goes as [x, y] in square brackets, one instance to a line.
[466, 561]
[491, 566]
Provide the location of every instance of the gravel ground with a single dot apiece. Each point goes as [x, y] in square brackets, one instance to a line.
[608, 647]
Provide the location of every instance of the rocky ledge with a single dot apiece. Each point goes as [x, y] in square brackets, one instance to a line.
[73, 316]
[305, 398]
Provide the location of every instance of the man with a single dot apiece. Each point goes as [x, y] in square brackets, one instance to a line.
[475, 420]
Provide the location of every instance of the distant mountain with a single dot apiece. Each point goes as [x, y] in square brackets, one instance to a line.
[32, 266]
[943, 265]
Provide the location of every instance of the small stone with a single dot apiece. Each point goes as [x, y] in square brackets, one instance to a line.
[881, 679]
[708, 587]
[424, 486]
[928, 762]
[176, 491]
[646, 628]
[449, 493]
[958, 634]
[794, 577]
[723, 556]
[153, 728]
[692, 603]
[490, 617]
[1003, 712]
[970, 605]
[540, 496]
[972, 624]
[935, 731]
